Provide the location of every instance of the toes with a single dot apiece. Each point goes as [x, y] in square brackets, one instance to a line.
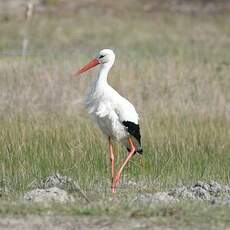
[113, 190]
[115, 182]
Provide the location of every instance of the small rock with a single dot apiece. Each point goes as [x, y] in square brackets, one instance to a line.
[200, 193]
[181, 193]
[215, 187]
[53, 194]
[202, 185]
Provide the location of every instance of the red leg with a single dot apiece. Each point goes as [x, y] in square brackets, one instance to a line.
[118, 175]
[111, 158]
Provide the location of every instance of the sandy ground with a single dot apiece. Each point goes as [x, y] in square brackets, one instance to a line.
[51, 189]
[66, 222]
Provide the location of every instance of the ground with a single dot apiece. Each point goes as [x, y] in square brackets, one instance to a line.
[200, 206]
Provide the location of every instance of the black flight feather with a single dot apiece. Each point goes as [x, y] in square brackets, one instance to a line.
[134, 130]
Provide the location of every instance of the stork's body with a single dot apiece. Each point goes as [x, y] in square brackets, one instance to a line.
[108, 109]
[115, 115]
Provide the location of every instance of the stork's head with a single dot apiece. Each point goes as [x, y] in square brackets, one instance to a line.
[104, 57]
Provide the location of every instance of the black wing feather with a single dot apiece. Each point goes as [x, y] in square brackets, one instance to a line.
[134, 130]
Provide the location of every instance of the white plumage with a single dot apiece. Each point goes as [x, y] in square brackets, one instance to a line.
[115, 115]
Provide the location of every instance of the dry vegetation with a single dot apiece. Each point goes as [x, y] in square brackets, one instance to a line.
[173, 67]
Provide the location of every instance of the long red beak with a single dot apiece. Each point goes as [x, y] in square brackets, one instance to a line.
[88, 66]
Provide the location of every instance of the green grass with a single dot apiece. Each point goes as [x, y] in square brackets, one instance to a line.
[176, 150]
[173, 67]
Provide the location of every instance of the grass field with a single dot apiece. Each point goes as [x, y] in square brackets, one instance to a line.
[173, 67]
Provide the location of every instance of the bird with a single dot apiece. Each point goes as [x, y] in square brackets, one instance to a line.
[115, 115]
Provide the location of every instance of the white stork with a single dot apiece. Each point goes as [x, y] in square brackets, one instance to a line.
[115, 115]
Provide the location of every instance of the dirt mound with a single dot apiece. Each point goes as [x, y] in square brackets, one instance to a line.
[62, 182]
[56, 180]
[53, 194]
[53, 188]
[212, 191]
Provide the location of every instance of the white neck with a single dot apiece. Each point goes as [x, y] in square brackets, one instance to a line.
[101, 81]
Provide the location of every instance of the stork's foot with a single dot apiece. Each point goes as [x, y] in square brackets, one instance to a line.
[118, 175]
[113, 186]
[113, 190]
[115, 182]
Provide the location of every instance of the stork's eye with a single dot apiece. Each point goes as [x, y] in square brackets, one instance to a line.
[101, 56]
